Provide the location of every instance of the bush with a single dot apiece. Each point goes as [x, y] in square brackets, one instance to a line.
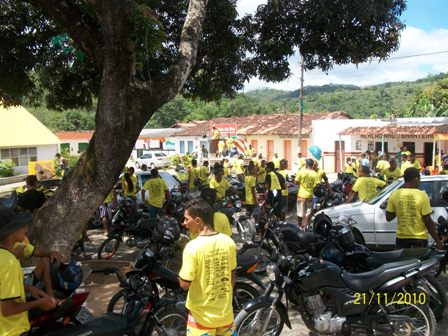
[6, 168]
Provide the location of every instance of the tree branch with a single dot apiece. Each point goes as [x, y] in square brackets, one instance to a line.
[74, 21]
[178, 73]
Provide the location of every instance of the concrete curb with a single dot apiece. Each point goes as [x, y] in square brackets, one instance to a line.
[12, 179]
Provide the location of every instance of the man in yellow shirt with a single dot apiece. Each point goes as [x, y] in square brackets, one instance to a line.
[300, 162]
[411, 162]
[221, 145]
[219, 183]
[365, 186]
[129, 184]
[392, 173]
[193, 174]
[306, 180]
[203, 173]
[282, 171]
[276, 161]
[262, 171]
[250, 185]
[382, 164]
[13, 306]
[158, 192]
[208, 273]
[348, 166]
[413, 211]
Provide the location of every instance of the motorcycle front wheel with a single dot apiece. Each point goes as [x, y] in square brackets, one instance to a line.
[242, 294]
[171, 321]
[263, 321]
[117, 303]
[109, 247]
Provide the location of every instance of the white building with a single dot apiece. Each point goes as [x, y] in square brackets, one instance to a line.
[23, 138]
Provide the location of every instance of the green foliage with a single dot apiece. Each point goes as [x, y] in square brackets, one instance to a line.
[432, 101]
[6, 168]
[70, 120]
[180, 162]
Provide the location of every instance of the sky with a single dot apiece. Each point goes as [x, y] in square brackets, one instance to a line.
[426, 32]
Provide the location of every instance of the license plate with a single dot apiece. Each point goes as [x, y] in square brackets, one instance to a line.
[84, 315]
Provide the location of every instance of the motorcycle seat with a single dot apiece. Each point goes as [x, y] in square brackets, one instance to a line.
[373, 279]
[105, 325]
[244, 262]
[376, 259]
[291, 232]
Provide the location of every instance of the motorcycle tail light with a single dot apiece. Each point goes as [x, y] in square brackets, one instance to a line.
[252, 268]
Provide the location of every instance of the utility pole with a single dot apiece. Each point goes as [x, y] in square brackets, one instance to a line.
[299, 136]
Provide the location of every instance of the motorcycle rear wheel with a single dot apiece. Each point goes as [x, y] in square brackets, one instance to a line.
[250, 322]
[109, 247]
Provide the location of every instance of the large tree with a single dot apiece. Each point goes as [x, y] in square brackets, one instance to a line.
[133, 56]
[432, 101]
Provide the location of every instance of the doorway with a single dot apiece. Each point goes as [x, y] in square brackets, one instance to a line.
[428, 150]
[378, 147]
[270, 149]
[287, 152]
[339, 165]
[254, 144]
[410, 146]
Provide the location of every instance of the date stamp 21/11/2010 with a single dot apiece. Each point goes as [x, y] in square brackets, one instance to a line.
[386, 298]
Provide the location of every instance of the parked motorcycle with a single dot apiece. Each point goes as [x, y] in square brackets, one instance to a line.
[142, 313]
[331, 300]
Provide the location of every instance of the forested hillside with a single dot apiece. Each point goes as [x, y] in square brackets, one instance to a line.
[376, 101]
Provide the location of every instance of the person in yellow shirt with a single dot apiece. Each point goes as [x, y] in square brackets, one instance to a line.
[226, 165]
[129, 184]
[208, 273]
[193, 174]
[413, 211]
[404, 162]
[282, 171]
[250, 186]
[219, 183]
[221, 145]
[355, 165]
[392, 173]
[262, 171]
[13, 306]
[411, 162]
[382, 164]
[158, 192]
[239, 170]
[250, 151]
[365, 186]
[276, 161]
[348, 166]
[229, 142]
[274, 184]
[106, 210]
[203, 173]
[300, 162]
[306, 180]
[321, 176]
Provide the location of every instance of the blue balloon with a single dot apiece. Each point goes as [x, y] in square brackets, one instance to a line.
[315, 151]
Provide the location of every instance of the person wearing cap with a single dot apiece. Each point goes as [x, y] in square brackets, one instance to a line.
[306, 180]
[13, 306]
[365, 186]
[158, 192]
[413, 211]
[32, 198]
[391, 173]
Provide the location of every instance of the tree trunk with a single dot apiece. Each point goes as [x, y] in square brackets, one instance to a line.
[124, 107]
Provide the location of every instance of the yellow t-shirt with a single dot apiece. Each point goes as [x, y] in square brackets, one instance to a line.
[226, 169]
[240, 167]
[275, 183]
[391, 175]
[408, 164]
[276, 162]
[229, 142]
[382, 164]
[11, 287]
[156, 187]
[320, 173]
[249, 183]
[261, 175]
[221, 224]
[216, 134]
[193, 175]
[208, 262]
[366, 187]
[306, 179]
[203, 174]
[349, 168]
[221, 187]
[126, 191]
[284, 174]
[221, 145]
[28, 248]
[300, 163]
[255, 161]
[356, 168]
[410, 205]
[110, 197]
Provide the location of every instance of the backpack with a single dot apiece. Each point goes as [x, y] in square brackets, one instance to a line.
[66, 277]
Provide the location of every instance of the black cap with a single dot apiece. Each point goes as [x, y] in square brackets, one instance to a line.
[10, 222]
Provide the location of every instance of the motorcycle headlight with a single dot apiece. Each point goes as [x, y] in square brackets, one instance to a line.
[272, 272]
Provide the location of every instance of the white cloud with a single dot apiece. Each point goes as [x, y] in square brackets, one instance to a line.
[413, 41]
[248, 6]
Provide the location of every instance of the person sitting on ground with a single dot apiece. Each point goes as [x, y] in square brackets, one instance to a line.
[13, 306]
[32, 199]
[208, 273]
[158, 192]
[365, 186]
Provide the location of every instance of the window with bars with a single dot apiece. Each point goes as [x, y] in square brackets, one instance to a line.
[19, 156]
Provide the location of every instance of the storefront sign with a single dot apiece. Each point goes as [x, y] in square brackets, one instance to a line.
[225, 130]
[397, 136]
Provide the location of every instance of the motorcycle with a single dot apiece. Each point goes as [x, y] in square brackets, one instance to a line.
[130, 222]
[331, 300]
[142, 313]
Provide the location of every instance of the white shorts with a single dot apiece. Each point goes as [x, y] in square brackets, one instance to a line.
[304, 207]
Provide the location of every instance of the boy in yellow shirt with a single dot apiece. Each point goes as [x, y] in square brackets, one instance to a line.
[208, 273]
[365, 186]
[158, 192]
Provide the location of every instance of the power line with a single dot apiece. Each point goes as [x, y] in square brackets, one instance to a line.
[418, 55]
